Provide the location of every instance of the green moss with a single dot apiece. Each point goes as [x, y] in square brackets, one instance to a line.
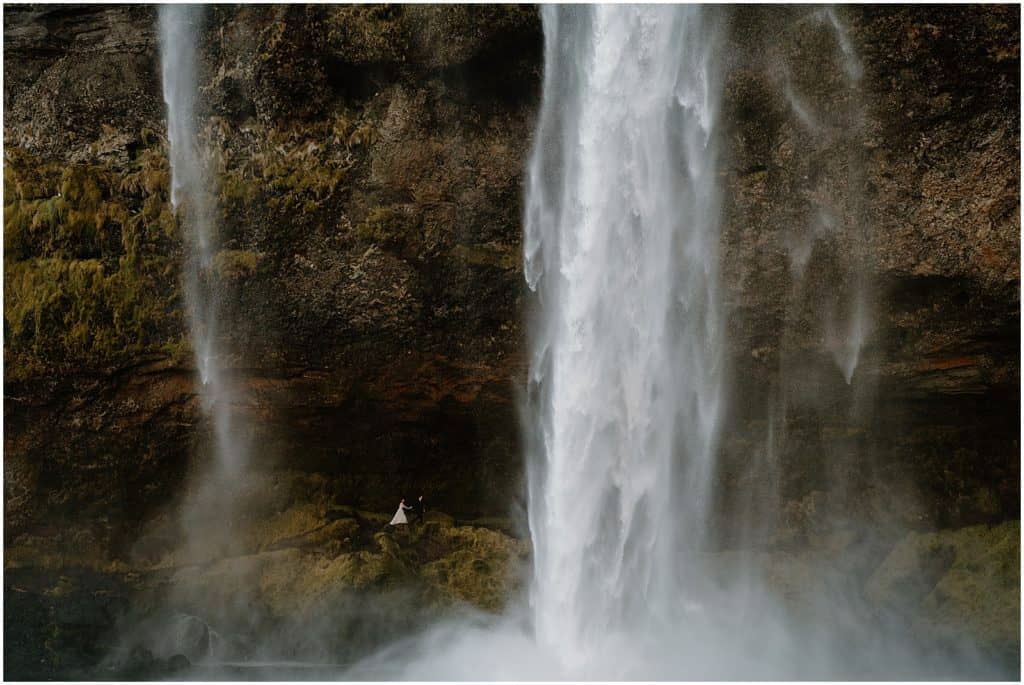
[49, 213]
[81, 187]
[28, 178]
[293, 186]
[149, 137]
[88, 276]
[76, 310]
[315, 182]
[78, 219]
[178, 349]
[478, 566]
[366, 34]
[364, 136]
[966, 579]
[500, 256]
[235, 188]
[17, 229]
[234, 264]
[294, 171]
[385, 226]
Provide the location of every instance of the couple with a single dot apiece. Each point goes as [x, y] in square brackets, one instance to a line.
[416, 509]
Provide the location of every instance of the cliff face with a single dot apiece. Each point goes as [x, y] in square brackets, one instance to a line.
[872, 260]
[370, 167]
[370, 162]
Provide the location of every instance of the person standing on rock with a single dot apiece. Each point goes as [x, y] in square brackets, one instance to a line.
[399, 518]
[418, 507]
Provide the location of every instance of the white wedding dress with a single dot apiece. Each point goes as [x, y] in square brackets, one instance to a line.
[400, 515]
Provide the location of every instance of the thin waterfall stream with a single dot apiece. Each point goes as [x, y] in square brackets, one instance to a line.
[193, 199]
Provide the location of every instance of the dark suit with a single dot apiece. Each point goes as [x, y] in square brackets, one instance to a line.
[417, 511]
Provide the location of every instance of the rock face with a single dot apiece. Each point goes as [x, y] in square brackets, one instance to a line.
[871, 257]
[370, 164]
[950, 582]
[313, 582]
[369, 195]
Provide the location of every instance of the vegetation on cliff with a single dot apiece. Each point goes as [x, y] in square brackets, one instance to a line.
[90, 267]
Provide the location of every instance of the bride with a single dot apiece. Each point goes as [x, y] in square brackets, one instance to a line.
[400, 514]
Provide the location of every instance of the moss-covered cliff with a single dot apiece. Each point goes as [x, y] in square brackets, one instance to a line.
[369, 166]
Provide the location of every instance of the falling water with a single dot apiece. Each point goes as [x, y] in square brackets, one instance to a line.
[621, 242]
[194, 204]
[846, 322]
[847, 355]
[626, 376]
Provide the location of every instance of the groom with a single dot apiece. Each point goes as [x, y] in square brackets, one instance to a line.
[418, 507]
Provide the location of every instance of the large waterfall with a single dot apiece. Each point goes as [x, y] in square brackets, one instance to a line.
[626, 401]
[626, 394]
[621, 242]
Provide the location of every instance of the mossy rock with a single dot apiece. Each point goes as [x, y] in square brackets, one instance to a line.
[285, 528]
[955, 583]
[365, 34]
[290, 580]
[483, 567]
[338, 533]
[387, 544]
[441, 519]
[91, 277]
[389, 227]
[237, 264]
[82, 311]
[484, 579]
[293, 172]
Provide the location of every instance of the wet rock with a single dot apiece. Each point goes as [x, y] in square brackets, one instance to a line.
[178, 663]
[957, 585]
[484, 567]
[452, 35]
[192, 637]
[138, 662]
[438, 519]
[387, 543]
[60, 624]
[447, 564]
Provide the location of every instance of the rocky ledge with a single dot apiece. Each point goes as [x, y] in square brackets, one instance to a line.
[314, 582]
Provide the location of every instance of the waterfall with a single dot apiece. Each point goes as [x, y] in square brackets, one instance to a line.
[626, 391]
[193, 202]
[212, 496]
[621, 242]
[847, 353]
[838, 124]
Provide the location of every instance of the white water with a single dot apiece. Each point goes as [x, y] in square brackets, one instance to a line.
[847, 354]
[209, 518]
[626, 379]
[626, 399]
[846, 325]
[193, 202]
[622, 244]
